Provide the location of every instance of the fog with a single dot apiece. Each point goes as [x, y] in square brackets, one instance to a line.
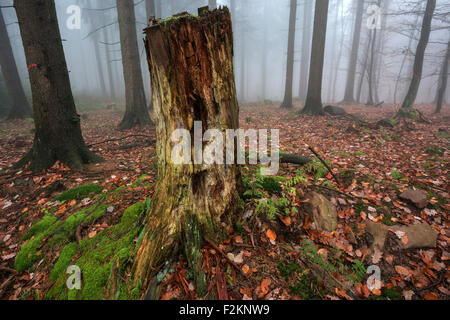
[260, 28]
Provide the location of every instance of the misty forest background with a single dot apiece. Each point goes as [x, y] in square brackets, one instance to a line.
[260, 28]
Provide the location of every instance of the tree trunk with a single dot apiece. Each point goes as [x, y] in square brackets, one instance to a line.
[405, 56]
[313, 103]
[420, 53]
[109, 69]
[370, 75]
[136, 111]
[341, 49]
[20, 107]
[101, 76]
[58, 133]
[151, 13]
[363, 69]
[212, 4]
[287, 102]
[350, 86]
[306, 51]
[264, 54]
[150, 8]
[443, 82]
[191, 62]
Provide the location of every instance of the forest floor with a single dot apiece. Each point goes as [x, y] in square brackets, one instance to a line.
[276, 253]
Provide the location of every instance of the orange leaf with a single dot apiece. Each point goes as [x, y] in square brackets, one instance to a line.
[431, 296]
[72, 203]
[265, 285]
[245, 269]
[271, 235]
[287, 221]
[402, 271]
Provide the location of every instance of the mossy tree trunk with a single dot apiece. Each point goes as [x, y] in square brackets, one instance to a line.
[287, 101]
[20, 107]
[191, 67]
[136, 113]
[313, 104]
[418, 60]
[58, 132]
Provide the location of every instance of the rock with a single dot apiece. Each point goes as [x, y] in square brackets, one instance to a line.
[417, 197]
[334, 111]
[412, 236]
[321, 211]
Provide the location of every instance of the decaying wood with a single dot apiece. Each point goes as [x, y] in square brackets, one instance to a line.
[191, 66]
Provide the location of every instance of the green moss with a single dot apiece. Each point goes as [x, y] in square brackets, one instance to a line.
[80, 193]
[29, 254]
[271, 185]
[99, 257]
[39, 227]
[64, 260]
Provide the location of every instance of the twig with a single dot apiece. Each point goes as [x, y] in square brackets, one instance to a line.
[215, 247]
[119, 139]
[325, 164]
[8, 269]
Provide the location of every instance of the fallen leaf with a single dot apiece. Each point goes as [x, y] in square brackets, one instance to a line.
[265, 286]
[271, 235]
[431, 296]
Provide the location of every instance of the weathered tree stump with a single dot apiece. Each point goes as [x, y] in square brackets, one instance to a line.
[191, 66]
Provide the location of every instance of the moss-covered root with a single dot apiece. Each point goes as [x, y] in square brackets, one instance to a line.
[159, 244]
[192, 242]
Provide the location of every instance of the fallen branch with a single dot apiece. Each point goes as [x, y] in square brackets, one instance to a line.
[325, 164]
[119, 139]
[215, 247]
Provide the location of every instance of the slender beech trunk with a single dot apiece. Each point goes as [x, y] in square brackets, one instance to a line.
[150, 8]
[100, 69]
[212, 4]
[370, 73]
[264, 52]
[351, 75]
[313, 103]
[341, 49]
[191, 62]
[20, 107]
[420, 53]
[151, 13]
[109, 69]
[58, 132]
[405, 56]
[136, 110]
[287, 102]
[443, 81]
[306, 50]
[334, 56]
[364, 69]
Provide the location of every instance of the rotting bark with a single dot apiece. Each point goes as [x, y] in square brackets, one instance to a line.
[58, 132]
[136, 110]
[191, 67]
[20, 107]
